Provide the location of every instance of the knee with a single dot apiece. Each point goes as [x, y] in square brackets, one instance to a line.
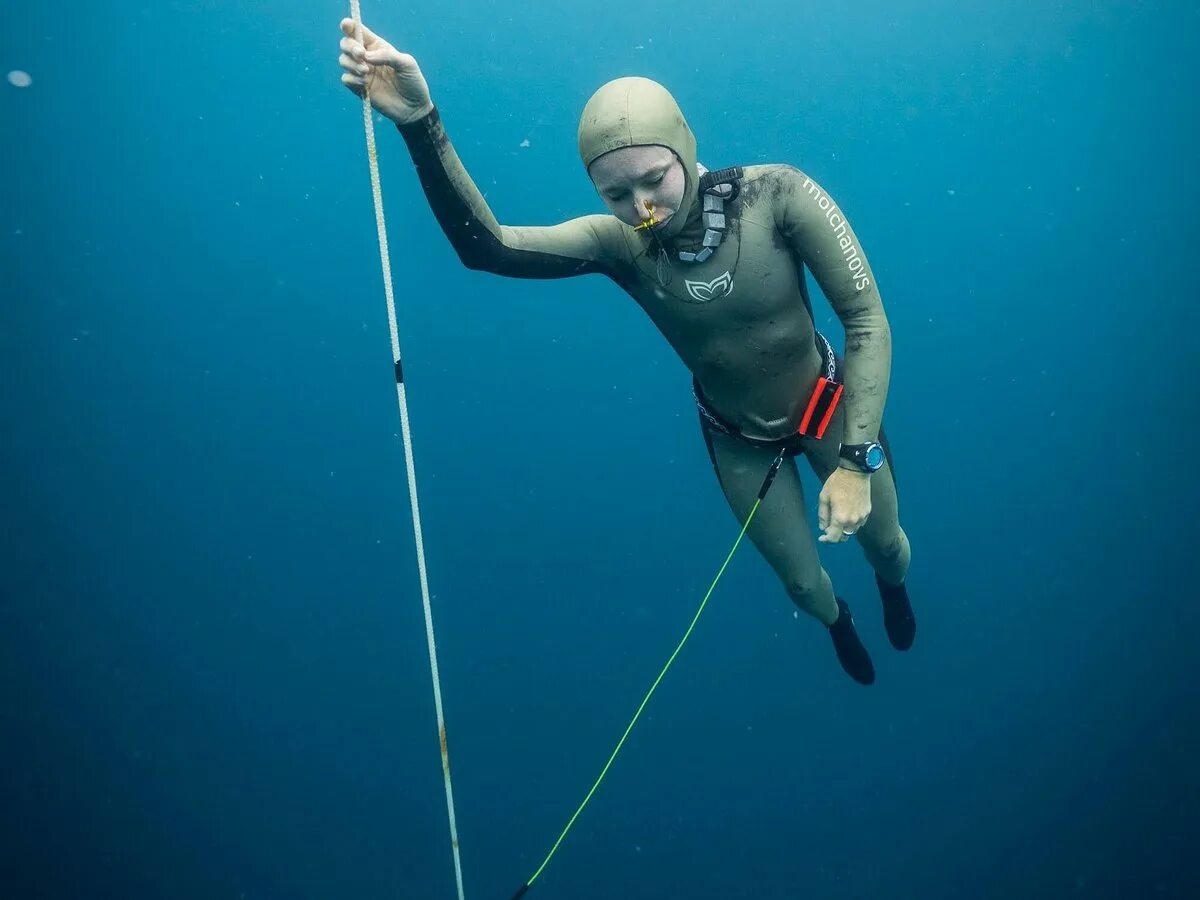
[892, 551]
[814, 597]
[891, 555]
[885, 540]
[805, 593]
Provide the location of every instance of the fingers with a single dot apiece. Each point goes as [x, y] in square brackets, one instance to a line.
[836, 534]
[353, 66]
[833, 535]
[841, 513]
[370, 38]
[844, 530]
[371, 51]
[351, 49]
[351, 60]
[390, 56]
[838, 529]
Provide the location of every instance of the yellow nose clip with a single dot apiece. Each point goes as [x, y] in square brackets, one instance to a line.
[650, 222]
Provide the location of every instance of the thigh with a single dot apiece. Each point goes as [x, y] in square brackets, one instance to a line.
[781, 530]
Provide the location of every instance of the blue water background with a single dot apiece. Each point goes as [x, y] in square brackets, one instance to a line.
[213, 670]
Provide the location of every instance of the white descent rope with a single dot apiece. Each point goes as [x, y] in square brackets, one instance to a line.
[369, 126]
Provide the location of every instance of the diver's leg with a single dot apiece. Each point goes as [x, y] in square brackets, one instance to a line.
[783, 535]
[881, 538]
[780, 529]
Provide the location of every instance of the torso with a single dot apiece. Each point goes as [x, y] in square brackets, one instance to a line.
[739, 320]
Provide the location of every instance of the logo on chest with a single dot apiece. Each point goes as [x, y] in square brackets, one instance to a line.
[707, 291]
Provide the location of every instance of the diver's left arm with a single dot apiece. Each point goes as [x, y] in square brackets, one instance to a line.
[823, 240]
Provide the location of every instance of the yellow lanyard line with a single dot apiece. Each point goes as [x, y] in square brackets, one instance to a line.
[761, 494]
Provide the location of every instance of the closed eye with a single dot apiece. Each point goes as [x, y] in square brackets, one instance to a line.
[649, 179]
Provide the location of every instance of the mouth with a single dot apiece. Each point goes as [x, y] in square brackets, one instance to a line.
[649, 221]
[653, 221]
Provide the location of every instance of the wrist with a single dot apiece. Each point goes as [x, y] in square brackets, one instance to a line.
[413, 117]
[864, 458]
[846, 466]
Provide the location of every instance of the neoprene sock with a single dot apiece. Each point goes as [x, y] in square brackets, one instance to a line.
[898, 618]
[849, 648]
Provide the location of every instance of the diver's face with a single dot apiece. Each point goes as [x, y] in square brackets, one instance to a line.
[639, 182]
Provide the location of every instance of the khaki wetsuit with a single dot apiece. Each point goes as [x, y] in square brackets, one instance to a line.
[740, 321]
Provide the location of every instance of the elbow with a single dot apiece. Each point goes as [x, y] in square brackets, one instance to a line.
[473, 262]
[867, 327]
[865, 313]
[479, 252]
[475, 257]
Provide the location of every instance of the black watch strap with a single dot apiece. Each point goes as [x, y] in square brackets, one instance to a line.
[866, 457]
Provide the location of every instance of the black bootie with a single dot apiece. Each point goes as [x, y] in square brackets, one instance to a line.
[850, 650]
[898, 616]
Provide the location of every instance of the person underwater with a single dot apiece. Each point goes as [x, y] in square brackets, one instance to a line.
[717, 261]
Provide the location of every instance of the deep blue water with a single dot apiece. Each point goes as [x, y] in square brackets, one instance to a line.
[213, 672]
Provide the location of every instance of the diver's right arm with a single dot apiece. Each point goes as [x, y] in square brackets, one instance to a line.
[398, 90]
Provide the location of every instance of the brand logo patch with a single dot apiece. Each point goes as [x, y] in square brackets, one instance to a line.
[707, 291]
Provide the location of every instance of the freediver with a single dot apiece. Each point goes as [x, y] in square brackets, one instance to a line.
[717, 261]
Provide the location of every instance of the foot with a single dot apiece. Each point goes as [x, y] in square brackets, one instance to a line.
[850, 650]
[898, 616]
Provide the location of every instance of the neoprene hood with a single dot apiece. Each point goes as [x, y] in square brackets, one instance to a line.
[633, 111]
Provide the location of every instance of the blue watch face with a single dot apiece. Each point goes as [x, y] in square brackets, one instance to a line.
[874, 458]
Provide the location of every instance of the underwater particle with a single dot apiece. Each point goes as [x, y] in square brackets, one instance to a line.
[525, 143]
[20, 79]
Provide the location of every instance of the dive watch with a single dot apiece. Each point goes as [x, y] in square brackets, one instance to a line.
[868, 457]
